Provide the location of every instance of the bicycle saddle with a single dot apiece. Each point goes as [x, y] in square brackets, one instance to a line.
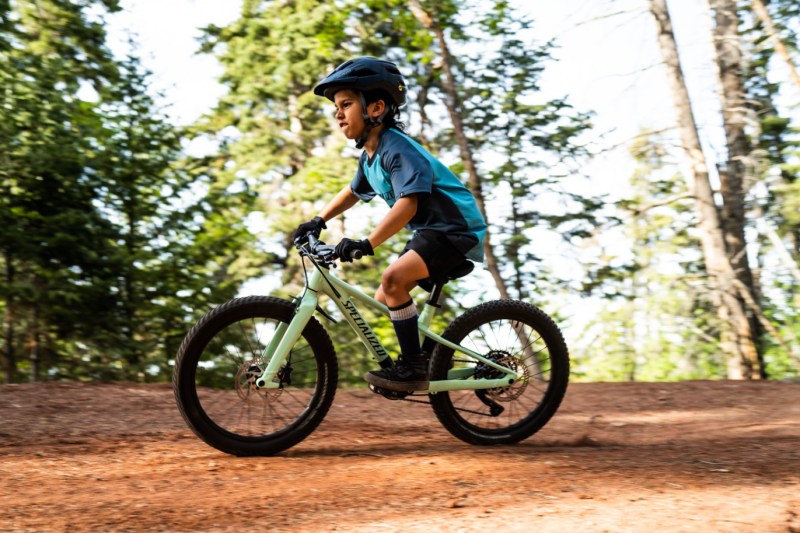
[459, 271]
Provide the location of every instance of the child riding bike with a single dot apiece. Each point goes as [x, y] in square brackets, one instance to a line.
[423, 194]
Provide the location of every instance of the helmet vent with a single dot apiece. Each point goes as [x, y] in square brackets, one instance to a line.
[363, 72]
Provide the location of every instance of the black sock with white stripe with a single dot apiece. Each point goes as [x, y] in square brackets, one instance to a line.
[405, 321]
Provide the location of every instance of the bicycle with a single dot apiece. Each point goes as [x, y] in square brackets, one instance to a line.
[257, 375]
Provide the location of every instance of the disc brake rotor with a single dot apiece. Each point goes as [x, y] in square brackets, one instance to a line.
[245, 382]
[511, 392]
[515, 390]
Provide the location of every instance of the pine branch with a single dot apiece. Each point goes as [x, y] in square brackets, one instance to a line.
[762, 13]
[672, 200]
[744, 292]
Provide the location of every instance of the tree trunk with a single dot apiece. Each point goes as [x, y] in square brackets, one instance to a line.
[733, 177]
[33, 346]
[761, 12]
[458, 127]
[10, 358]
[422, 102]
[736, 338]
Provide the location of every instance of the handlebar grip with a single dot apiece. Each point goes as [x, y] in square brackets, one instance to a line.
[355, 255]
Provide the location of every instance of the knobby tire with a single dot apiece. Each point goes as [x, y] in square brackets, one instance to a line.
[214, 370]
[512, 333]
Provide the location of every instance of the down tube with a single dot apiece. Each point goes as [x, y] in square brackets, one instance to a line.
[353, 317]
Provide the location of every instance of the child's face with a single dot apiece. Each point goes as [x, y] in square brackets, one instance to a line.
[349, 115]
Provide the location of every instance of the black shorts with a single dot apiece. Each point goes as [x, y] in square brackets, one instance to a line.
[439, 254]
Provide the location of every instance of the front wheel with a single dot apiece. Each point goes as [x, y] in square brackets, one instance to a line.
[516, 335]
[222, 357]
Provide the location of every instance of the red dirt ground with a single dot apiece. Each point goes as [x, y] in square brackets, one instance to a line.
[692, 456]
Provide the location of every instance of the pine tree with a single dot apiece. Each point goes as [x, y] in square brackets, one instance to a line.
[737, 335]
[52, 237]
[656, 321]
[773, 204]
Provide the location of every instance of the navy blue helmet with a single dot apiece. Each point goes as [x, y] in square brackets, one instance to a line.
[365, 74]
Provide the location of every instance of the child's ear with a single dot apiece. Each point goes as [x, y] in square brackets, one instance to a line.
[378, 107]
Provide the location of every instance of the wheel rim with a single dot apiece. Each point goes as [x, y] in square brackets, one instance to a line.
[225, 379]
[513, 344]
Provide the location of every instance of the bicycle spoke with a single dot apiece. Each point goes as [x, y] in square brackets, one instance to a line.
[502, 414]
[254, 412]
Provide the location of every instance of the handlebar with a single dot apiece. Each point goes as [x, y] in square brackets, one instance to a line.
[321, 252]
[317, 250]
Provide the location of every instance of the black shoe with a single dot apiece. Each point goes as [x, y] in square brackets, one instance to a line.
[408, 374]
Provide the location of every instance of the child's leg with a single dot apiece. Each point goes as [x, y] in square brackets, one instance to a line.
[440, 257]
[396, 284]
[401, 276]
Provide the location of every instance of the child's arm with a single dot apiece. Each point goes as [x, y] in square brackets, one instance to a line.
[401, 213]
[343, 201]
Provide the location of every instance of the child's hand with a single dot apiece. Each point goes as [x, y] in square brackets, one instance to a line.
[348, 249]
[313, 227]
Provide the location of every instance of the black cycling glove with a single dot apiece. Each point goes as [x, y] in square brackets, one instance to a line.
[348, 249]
[313, 227]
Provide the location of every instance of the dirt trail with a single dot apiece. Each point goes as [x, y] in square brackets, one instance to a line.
[692, 456]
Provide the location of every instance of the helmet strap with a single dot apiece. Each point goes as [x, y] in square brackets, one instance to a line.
[369, 122]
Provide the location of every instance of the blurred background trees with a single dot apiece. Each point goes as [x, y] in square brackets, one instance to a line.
[114, 239]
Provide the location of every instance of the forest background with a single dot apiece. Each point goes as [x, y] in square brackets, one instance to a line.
[667, 250]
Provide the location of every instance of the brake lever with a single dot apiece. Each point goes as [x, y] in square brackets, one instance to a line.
[326, 253]
[311, 246]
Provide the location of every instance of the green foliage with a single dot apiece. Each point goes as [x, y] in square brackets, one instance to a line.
[655, 322]
[54, 241]
[113, 242]
[523, 144]
[656, 279]
[774, 199]
[275, 137]
[110, 247]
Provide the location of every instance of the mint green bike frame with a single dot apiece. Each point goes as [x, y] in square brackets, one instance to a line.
[322, 280]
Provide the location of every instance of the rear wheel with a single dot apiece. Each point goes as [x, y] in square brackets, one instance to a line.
[516, 335]
[219, 362]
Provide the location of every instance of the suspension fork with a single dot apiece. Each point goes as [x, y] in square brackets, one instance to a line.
[285, 337]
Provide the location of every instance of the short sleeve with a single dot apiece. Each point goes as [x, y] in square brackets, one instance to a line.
[360, 185]
[410, 172]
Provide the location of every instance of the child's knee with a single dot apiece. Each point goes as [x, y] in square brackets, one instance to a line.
[379, 296]
[388, 281]
[392, 280]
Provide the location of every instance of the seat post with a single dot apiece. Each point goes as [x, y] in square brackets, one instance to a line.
[435, 298]
[433, 303]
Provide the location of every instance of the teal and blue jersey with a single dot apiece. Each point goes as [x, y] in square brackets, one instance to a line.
[401, 167]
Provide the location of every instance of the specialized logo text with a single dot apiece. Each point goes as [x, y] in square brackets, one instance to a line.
[365, 329]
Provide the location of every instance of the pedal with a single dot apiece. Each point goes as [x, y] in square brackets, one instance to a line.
[389, 394]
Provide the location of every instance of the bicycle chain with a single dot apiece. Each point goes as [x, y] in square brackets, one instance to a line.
[456, 408]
